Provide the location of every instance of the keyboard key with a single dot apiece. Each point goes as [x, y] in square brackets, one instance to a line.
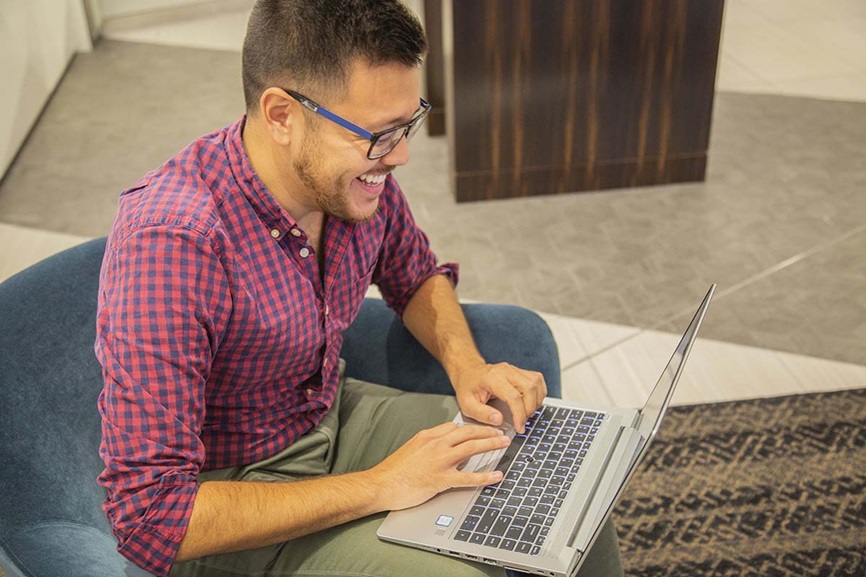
[477, 538]
[470, 523]
[537, 519]
[508, 544]
[493, 541]
[523, 547]
[500, 526]
[514, 532]
[486, 523]
[530, 534]
[463, 535]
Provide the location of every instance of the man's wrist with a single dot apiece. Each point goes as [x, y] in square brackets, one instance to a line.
[459, 366]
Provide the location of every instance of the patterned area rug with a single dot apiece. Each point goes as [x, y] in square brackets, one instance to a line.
[766, 488]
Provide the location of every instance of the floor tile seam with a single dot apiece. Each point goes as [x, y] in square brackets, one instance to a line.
[723, 292]
[726, 53]
[792, 93]
[170, 44]
[763, 350]
[154, 18]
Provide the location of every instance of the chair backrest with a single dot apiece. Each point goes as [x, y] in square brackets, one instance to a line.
[49, 382]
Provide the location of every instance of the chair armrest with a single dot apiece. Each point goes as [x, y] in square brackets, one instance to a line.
[63, 549]
[378, 348]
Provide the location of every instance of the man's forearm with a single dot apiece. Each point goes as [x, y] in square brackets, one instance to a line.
[436, 319]
[235, 515]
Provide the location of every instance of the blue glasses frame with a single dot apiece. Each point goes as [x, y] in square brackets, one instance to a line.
[381, 143]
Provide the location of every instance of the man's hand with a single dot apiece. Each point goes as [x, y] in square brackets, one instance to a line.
[427, 464]
[435, 318]
[523, 391]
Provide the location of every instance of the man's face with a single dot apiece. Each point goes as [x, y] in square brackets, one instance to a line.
[333, 164]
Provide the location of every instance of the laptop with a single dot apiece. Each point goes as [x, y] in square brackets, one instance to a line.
[563, 477]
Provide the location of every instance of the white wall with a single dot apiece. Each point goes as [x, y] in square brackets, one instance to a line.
[37, 40]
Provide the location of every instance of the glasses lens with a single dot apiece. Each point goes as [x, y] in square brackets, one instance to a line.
[385, 143]
[414, 128]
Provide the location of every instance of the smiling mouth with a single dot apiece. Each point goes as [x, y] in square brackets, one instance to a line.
[373, 179]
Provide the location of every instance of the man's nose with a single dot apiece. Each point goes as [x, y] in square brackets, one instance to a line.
[399, 155]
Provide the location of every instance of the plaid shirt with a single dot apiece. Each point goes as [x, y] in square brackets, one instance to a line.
[218, 336]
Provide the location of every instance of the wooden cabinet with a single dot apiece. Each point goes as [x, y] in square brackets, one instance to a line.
[558, 96]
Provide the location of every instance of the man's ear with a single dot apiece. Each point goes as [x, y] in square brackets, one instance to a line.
[281, 114]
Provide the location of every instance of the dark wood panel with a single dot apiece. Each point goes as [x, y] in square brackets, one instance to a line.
[575, 88]
[435, 67]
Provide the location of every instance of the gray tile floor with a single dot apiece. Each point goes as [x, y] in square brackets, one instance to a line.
[780, 223]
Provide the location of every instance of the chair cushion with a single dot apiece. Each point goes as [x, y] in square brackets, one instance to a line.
[63, 549]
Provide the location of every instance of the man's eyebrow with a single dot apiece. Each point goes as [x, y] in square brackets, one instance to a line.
[397, 121]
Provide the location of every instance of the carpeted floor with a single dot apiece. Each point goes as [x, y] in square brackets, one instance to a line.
[770, 488]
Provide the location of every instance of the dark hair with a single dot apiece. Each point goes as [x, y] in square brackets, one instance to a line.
[311, 44]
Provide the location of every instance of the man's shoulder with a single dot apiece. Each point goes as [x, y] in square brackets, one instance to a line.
[186, 191]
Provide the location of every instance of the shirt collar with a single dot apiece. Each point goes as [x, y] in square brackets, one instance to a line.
[263, 202]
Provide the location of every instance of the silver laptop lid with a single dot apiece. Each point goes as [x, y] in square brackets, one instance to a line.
[654, 409]
[655, 406]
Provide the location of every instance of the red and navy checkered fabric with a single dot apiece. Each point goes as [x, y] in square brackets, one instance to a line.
[218, 336]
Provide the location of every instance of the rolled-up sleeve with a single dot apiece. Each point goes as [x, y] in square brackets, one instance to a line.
[163, 304]
[406, 260]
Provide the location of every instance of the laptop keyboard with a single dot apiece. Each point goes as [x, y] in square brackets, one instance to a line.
[516, 514]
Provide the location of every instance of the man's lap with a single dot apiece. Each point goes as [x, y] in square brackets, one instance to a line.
[368, 424]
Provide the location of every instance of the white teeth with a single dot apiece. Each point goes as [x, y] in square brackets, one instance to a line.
[373, 179]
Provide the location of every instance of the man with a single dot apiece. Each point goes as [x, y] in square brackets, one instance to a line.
[230, 275]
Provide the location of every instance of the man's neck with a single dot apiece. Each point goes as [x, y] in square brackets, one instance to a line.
[280, 182]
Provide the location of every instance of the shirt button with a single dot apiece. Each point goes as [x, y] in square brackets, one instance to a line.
[309, 392]
[275, 233]
[295, 232]
[305, 252]
[327, 310]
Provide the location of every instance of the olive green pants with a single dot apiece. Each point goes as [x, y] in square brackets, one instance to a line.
[366, 424]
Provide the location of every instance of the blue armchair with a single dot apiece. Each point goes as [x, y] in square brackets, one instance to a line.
[51, 523]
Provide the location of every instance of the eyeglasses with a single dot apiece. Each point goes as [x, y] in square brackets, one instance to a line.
[381, 143]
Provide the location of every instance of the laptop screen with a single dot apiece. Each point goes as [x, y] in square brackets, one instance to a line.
[651, 414]
[654, 409]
